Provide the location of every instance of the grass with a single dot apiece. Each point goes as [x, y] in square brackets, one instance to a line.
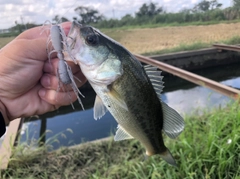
[208, 148]
[167, 39]
[174, 24]
[180, 48]
[232, 41]
[195, 46]
[5, 40]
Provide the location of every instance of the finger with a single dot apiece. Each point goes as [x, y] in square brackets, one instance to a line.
[49, 81]
[52, 66]
[36, 42]
[66, 27]
[57, 98]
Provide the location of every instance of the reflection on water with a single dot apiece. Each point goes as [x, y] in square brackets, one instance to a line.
[72, 127]
[194, 99]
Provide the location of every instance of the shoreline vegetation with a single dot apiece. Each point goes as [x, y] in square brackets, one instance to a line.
[162, 40]
[209, 147]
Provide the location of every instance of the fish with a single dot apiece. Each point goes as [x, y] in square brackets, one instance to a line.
[130, 91]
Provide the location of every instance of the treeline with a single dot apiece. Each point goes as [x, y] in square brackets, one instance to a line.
[205, 11]
[149, 14]
[168, 18]
[16, 30]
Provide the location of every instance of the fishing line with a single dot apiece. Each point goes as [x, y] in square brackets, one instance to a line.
[59, 21]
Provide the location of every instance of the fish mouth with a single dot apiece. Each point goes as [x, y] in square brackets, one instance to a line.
[74, 42]
[74, 25]
[78, 47]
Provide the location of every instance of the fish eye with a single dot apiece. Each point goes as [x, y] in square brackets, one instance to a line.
[92, 39]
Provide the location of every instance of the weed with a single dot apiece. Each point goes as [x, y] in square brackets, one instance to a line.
[208, 148]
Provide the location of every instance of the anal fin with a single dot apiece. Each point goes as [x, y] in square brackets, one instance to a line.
[121, 134]
[173, 123]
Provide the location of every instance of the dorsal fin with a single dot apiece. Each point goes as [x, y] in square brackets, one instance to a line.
[173, 123]
[147, 67]
[155, 78]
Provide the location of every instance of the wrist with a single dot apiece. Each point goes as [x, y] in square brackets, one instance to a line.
[4, 113]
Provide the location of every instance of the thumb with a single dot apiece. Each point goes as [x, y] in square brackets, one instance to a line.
[26, 49]
[42, 31]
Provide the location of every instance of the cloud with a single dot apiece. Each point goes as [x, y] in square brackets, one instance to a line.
[40, 11]
[175, 6]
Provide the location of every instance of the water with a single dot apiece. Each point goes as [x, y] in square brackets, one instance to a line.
[72, 127]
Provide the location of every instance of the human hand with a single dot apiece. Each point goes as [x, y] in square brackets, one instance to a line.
[28, 82]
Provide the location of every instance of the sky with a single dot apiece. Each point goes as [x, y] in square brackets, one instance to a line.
[39, 11]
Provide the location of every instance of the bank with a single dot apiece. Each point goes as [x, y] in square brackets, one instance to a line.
[209, 147]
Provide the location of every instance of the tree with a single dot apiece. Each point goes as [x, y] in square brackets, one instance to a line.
[185, 11]
[205, 5]
[64, 19]
[126, 20]
[149, 10]
[58, 20]
[236, 4]
[215, 5]
[88, 15]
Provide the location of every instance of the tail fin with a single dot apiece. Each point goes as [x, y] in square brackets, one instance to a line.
[167, 156]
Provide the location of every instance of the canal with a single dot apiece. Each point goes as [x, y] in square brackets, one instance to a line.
[67, 127]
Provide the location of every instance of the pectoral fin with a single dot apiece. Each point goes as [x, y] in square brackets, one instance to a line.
[121, 134]
[173, 123]
[99, 109]
[117, 97]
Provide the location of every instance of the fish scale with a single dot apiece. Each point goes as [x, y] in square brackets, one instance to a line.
[124, 88]
[139, 115]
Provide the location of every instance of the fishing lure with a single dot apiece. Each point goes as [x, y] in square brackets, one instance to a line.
[57, 38]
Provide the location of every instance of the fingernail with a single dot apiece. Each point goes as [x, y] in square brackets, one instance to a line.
[46, 81]
[42, 92]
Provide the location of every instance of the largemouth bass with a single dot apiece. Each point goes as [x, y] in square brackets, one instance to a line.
[129, 91]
